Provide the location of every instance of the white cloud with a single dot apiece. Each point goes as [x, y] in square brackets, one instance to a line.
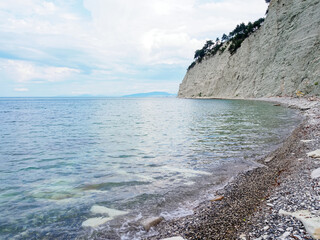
[24, 72]
[21, 89]
[109, 39]
[168, 30]
[148, 31]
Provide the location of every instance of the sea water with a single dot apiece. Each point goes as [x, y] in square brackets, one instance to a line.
[64, 161]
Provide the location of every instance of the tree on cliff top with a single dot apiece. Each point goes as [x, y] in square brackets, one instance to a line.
[267, 1]
[235, 38]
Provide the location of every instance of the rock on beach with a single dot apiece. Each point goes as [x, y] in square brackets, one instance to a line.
[151, 222]
[311, 223]
[314, 154]
[315, 173]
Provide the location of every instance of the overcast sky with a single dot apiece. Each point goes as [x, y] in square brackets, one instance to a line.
[108, 47]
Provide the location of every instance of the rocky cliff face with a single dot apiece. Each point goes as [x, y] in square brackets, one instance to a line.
[279, 59]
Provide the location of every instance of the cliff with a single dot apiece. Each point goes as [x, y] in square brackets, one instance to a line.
[279, 59]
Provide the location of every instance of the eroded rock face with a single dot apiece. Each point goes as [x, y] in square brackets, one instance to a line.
[279, 59]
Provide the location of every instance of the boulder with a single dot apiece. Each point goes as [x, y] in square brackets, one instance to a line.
[311, 223]
[151, 222]
[315, 173]
[96, 209]
[314, 154]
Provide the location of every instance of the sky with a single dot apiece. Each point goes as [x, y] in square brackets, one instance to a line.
[108, 47]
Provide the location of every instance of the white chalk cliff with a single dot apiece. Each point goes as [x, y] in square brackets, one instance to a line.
[279, 59]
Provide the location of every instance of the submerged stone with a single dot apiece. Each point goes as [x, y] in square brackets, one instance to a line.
[96, 209]
[95, 222]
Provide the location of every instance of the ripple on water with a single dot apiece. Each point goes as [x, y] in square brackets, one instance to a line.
[62, 156]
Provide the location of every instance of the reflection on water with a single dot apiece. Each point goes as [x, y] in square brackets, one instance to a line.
[59, 157]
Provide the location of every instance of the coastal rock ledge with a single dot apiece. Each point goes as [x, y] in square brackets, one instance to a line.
[279, 59]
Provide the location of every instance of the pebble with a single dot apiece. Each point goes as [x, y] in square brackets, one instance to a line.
[268, 159]
[297, 191]
[310, 222]
[218, 198]
[291, 190]
[286, 234]
[174, 238]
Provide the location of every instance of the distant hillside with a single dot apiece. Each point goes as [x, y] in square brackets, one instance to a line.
[151, 94]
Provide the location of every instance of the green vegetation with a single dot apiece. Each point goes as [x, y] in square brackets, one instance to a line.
[241, 32]
[316, 83]
[233, 41]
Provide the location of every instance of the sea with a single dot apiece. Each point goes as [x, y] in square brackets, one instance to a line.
[87, 168]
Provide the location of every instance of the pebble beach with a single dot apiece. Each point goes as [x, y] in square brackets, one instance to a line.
[280, 199]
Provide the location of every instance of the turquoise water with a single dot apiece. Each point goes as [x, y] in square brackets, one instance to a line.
[61, 156]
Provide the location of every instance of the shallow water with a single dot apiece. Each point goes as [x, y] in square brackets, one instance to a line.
[61, 156]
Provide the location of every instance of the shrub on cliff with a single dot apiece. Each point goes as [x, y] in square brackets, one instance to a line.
[241, 32]
[235, 38]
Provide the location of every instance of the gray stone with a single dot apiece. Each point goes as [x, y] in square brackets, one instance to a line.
[315, 173]
[314, 154]
[151, 222]
[311, 223]
[173, 238]
[285, 235]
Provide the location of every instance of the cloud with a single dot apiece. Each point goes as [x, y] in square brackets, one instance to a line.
[21, 89]
[166, 31]
[24, 72]
[104, 40]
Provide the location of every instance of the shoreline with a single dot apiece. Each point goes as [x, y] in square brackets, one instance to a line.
[250, 199]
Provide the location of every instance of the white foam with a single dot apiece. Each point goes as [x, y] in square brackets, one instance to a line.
[185, 170]
[178, 213]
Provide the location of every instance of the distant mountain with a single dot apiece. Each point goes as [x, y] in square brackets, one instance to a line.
[151, 94]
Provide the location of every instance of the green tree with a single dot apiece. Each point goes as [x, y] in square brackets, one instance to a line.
[224, 37]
